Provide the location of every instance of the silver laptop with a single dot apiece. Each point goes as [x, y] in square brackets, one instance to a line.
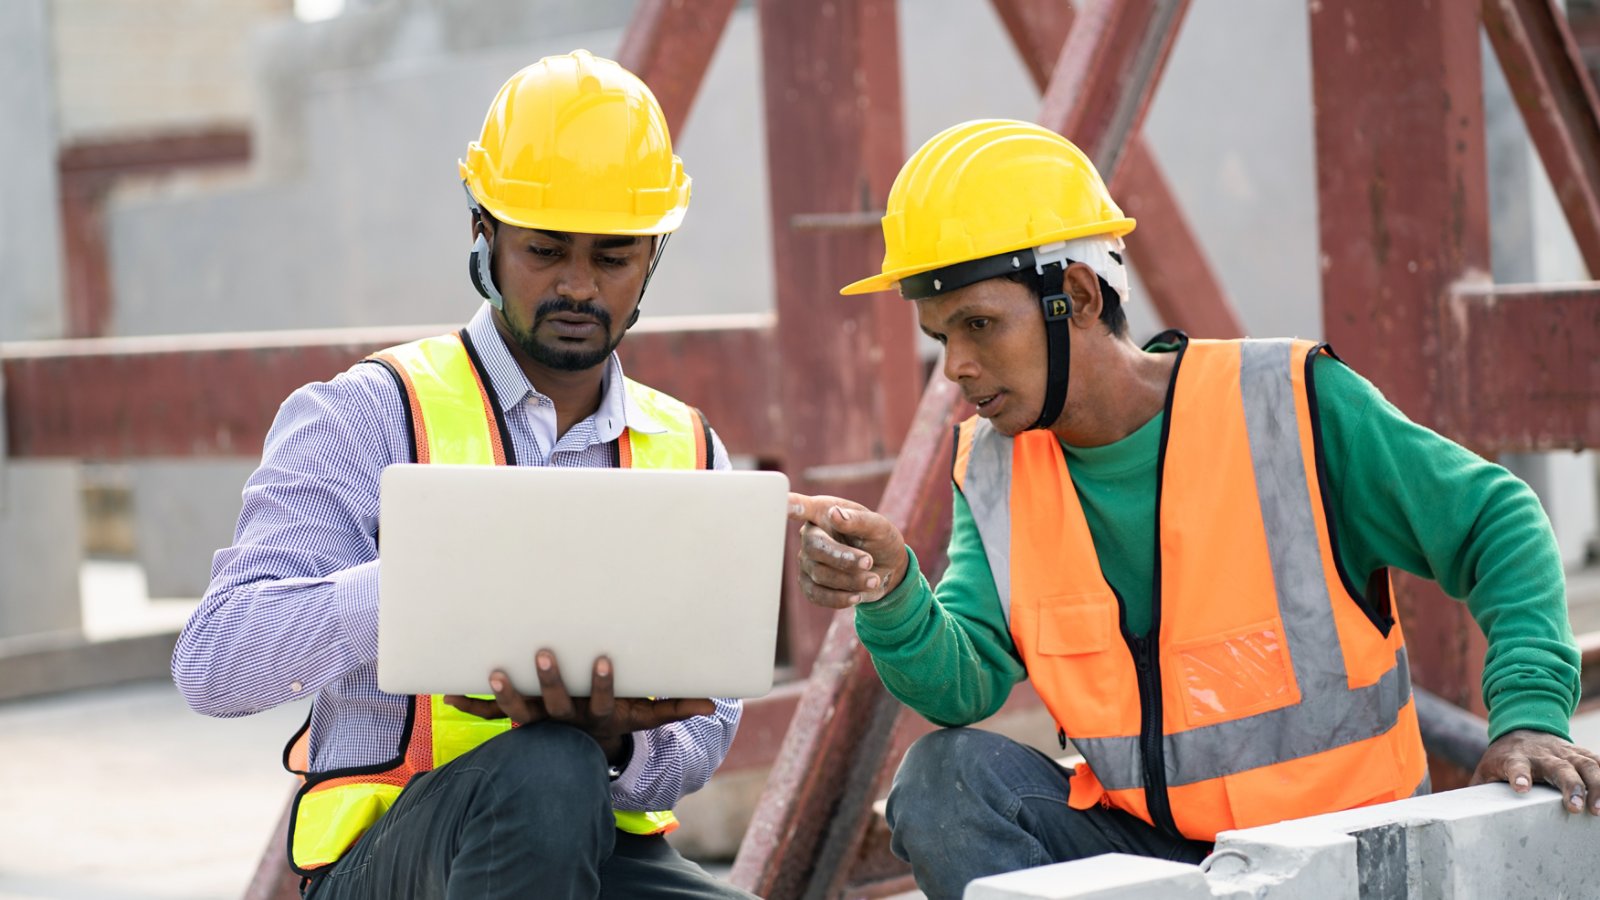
[674, 575]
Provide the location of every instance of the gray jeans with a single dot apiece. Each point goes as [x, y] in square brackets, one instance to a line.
[969, 803]
[527, 814]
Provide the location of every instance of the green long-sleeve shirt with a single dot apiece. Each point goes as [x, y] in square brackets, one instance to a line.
[1402, 496]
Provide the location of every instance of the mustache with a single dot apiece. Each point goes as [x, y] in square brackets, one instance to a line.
[563, 305]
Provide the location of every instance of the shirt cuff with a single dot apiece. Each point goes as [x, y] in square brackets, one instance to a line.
[630, 782]
[896, 607]
[355, 597]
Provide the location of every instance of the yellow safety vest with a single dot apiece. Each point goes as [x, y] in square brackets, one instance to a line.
[453, 418]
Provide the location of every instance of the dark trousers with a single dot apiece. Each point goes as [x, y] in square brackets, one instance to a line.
[969, 803]
[527, 814]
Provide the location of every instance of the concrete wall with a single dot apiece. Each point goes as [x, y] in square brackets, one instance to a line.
[354, 215]
[40, 531]
[1482, 843]
[154, 65]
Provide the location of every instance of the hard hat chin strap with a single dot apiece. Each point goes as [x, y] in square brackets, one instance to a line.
[1056, 305]
[661, 249]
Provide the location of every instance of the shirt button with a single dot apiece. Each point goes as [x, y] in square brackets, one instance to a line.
[296, 687]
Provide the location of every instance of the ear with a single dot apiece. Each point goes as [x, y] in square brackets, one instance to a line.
[480, 225]
[1083, 285]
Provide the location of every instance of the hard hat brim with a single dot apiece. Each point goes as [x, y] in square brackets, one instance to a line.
[588, 222]
[887, 281]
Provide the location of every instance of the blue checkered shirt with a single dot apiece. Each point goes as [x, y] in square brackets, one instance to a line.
[292, 610]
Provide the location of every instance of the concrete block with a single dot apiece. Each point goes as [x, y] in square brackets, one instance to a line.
[1300, 865]
[41, 540]
[30, 226]
[1114, 876]
[1481, 843]
[184, 511]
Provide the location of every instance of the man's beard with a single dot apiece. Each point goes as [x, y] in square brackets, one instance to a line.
[559, 358]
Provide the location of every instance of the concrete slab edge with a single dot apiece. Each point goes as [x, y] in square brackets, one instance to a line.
[38, 666]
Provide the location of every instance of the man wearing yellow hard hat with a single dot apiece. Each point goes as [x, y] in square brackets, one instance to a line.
[573, 189]
[1184, 546]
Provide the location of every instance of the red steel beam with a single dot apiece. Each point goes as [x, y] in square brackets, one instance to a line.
[669, 45]
[216, 395]
[87, 172]
[848, 372]
[1104, 75]
[820, 790]
[813, 815]
[1521, 367]
[1183, 288]
[1403, 213]
[1552, 87]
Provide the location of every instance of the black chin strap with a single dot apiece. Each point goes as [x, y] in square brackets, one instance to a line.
[1056, 305]
[661, 250]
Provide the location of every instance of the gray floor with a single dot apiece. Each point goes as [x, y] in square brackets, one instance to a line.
[124, 794]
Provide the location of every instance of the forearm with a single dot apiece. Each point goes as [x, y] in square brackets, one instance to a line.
[1517, 595]
[930, 658]
[254, 645]
[675, 760]
[293, 604]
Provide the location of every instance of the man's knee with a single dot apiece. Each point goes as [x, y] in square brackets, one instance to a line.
[943, 767]
[546, 762]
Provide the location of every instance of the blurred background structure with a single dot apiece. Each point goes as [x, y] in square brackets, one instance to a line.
[207, 203]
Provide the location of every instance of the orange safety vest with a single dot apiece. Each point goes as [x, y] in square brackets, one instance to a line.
[454, 418]
[1270, 687]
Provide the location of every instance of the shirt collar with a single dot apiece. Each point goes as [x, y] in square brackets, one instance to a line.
[511, 385]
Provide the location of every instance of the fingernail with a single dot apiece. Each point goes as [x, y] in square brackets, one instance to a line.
[844, 514]
[872, 582]
[855, 598]
[496, 682]
[543, 662]
[796, 509]
[603, 668]
[1522, 781]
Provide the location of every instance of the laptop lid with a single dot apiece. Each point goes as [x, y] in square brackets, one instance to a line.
[675, 575]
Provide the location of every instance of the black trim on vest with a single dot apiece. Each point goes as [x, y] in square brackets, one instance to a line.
[955, 452]
[405, 404]
[1374, 602]
[316, 778]
[304, 727]
[711, 447]
[494, 399]
[1147, 650]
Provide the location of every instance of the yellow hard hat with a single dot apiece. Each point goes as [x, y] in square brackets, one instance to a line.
[984, 188]
[577, 143]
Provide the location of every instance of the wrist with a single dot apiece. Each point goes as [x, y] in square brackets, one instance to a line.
[619, 752]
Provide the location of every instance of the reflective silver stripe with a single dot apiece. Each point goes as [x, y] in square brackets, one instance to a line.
[1329, 714]
[988, 493]
[1291, 529]
[1227, 748]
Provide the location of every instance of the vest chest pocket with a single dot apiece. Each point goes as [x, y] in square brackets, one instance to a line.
[1071, 624]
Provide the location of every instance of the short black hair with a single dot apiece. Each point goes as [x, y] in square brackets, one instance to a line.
[1111, 313]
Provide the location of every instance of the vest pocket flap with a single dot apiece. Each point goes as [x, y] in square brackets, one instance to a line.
[1076, 623]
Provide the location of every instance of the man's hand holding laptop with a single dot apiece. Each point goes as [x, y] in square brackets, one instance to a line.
[602, 715]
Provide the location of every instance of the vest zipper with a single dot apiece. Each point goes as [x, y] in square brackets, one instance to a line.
[1147, 663]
